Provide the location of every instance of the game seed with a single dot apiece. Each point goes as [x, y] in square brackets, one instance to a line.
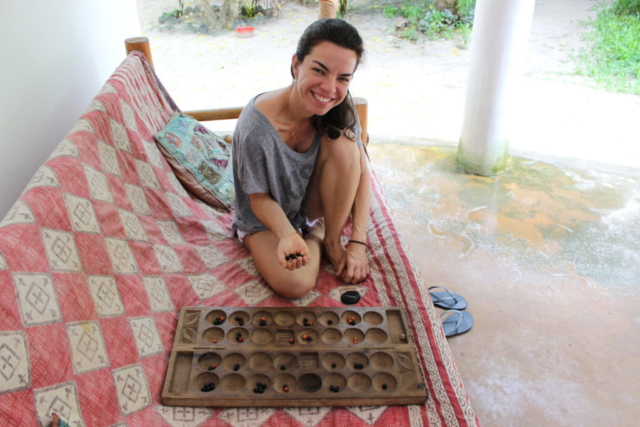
[214, 341]
[291, 340]
[304, 337]
[329, 322]
[384, 386]
[240, 339]
[285, 388]
[333, 365]
[355, 340]
[236, 367]
[283, 368]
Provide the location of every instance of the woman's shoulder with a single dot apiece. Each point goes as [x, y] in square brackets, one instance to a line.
[269, 103]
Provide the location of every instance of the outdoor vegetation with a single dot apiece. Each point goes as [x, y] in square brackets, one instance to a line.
[612, 56]
[433, 19]
[412, 19]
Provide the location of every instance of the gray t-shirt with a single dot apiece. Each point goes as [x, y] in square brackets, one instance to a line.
[263, 163]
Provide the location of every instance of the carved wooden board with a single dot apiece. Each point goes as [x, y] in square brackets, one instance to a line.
[310, 356]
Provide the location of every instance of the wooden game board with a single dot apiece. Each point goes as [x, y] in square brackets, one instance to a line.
[309, 356]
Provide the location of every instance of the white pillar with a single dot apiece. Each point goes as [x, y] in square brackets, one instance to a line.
[498, 47]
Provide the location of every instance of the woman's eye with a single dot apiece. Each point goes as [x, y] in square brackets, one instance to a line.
[317, 70]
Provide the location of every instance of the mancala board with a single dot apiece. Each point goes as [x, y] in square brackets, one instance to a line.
[285, 356]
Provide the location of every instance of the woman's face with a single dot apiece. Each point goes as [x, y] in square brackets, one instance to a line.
[324, 75]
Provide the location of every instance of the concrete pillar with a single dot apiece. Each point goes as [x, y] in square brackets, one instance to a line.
[498, 47]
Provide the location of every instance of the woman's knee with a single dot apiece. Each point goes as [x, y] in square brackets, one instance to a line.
[296, 287]
[342, 153]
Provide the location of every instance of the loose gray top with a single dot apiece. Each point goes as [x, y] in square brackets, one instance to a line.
[263, 163]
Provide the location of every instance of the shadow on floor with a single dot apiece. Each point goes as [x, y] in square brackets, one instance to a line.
[548, 256]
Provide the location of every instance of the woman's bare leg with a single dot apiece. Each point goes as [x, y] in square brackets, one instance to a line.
[288, 283]
[332, 191]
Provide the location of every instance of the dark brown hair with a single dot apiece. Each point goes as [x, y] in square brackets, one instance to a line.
[341, 33]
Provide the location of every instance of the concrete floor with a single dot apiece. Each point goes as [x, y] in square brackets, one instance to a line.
[548, 257]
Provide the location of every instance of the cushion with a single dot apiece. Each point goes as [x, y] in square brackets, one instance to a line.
[200, 159]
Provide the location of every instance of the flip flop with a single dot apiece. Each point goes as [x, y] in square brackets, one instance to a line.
[447, 299]
[456, 323]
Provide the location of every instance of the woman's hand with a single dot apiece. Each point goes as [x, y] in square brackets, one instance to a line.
[355, 266]
[295, 248]
[336, 254]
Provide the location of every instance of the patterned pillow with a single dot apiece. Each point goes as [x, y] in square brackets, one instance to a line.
[200, 159]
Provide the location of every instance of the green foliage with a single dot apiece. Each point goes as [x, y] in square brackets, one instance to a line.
[464, 30]
[465, 7]
[249, 10]
[613, 55]
[410, 34]
[432, 22]
[438, 23]
[413, 13]
[390, 12]
[626, 7]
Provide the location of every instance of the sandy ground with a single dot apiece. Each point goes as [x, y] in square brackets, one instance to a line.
[416, 91]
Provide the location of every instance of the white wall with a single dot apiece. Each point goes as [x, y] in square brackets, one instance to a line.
[54, 58]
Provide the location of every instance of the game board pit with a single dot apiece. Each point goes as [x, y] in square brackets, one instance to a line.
[207, 360]
[206, 378]
[213, 334]
[331, 359]
[284, 318]
[357, 359]
[232, 360]
[353, 336]
[232, 383]
[376, 336]
[331, 336]
[239, 318]
[309, 383]
[261, 336]
[329, 318]
[359, 382]
[384, 382]
[381, 361]
[348, 315]
[260, 361]
[283, 380]
[214, 315]
[288, 360]
[372, 318]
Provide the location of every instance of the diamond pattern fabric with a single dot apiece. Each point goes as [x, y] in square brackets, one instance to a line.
[103, 249]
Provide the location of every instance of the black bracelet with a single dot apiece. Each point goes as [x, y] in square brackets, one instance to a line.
[358, 242]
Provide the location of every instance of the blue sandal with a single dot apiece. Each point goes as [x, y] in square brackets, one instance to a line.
[447, 299]
[456, 323]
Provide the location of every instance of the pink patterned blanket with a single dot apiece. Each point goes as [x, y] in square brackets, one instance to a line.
[104, 247]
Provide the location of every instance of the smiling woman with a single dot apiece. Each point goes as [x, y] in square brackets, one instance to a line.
[299, 165]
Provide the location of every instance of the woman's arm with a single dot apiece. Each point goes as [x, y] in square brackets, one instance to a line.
[270, 213]
[357, 264]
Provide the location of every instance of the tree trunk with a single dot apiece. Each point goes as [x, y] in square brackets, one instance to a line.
[447, 4]
[229, 13]
[212, 18]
